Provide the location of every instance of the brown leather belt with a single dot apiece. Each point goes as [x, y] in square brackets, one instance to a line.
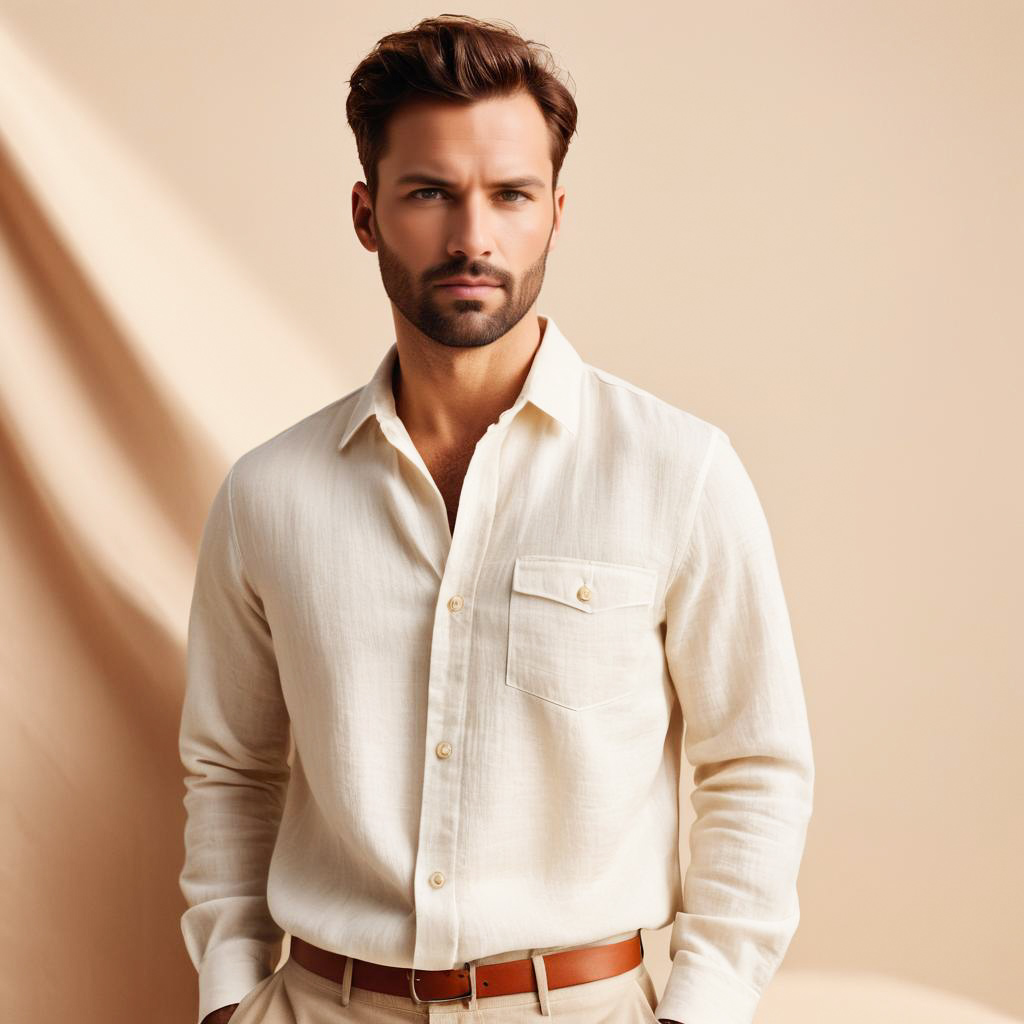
[566, 967]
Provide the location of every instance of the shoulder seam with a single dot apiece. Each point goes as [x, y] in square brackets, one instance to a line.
[604, 375]
[641, 392]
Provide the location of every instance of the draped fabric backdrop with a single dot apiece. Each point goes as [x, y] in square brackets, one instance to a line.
[806, 223]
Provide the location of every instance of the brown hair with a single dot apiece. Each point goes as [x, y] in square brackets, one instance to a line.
[458, 59]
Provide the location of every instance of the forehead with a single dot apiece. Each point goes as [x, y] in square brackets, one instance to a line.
[500, 133]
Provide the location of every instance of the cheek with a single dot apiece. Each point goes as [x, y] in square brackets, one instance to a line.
[536, 226]
[527, 242]
[407, 231]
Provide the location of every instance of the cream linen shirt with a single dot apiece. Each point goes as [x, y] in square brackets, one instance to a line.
[421, 749]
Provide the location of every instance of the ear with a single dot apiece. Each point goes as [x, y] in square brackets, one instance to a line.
[558, 203]
[362, 216]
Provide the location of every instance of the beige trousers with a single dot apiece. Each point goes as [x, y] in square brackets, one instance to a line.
[295, 995]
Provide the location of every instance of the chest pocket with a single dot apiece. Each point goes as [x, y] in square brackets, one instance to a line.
[575, 628]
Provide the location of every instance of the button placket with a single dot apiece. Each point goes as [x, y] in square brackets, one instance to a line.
[437, 925]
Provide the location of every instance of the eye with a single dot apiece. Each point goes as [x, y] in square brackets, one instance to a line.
[418, 193]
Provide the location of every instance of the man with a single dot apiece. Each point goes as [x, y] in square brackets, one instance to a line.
[481, 596]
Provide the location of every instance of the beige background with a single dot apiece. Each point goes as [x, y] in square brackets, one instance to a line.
[803, 221]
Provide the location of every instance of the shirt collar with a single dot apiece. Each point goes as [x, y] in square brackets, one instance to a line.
[552, 385]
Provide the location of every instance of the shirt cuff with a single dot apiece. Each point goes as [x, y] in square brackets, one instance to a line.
[700, 993]
[227, 979]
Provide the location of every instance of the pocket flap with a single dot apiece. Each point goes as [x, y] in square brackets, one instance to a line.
[609, 584]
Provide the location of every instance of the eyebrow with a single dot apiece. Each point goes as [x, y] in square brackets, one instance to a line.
[417, 178]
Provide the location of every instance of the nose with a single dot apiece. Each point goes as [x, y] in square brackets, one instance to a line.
[470, 229]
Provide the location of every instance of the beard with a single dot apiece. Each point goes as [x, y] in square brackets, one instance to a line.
[460, 323]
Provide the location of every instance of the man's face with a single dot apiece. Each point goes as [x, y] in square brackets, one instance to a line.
[464, 191]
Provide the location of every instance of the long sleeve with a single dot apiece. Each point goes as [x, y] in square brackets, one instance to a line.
[731, 655]
[233, 742]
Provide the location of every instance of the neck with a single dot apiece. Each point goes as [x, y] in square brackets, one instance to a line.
[448, 395]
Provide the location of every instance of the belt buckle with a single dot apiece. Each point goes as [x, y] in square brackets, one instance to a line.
[442, 999]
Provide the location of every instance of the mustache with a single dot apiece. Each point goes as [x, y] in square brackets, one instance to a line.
[469, 270]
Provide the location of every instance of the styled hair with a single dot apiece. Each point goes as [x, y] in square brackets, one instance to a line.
[457, 59]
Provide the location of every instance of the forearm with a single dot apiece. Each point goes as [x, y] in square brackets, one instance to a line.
[234, 741]
[732, 657]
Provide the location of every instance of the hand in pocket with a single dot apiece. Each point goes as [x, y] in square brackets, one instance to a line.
[221, 1016]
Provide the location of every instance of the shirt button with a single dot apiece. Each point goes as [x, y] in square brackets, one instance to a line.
[584, 593]
[437, 879]
[444, 749]
[455, 603]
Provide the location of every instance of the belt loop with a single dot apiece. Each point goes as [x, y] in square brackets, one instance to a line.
[346, 982]
[472, 985]
[541, 973]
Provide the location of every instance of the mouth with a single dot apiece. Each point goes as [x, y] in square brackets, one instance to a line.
[469, 291]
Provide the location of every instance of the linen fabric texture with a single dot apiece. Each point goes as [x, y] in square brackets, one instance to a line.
[419, 748]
